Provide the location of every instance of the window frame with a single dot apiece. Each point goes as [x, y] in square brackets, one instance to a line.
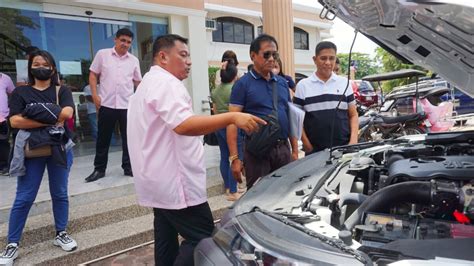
[245, 26]
[299, 33]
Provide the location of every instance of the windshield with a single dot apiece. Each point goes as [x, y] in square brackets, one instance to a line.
[365, 86]
[386, 105]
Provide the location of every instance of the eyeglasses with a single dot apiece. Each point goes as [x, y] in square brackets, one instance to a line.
[267, 55]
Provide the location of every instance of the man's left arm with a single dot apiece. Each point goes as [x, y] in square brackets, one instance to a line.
[294, 148]
[137, 75]
[353, 123]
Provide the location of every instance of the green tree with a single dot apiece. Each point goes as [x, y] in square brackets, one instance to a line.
[365, 65]
[212, 77]
[391, 63]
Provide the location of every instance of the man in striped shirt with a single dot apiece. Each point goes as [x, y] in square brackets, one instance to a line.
[319, 96]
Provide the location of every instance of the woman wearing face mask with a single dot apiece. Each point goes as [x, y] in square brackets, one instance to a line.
[42, 90]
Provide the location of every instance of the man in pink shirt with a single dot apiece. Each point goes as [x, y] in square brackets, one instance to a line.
[6, 88]
[118, 72]
[167, 156]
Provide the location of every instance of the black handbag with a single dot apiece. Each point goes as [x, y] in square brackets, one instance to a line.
[260, 143]
[44, 150]
[211, 138]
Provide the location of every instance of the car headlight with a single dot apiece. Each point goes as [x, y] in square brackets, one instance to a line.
[242, 250]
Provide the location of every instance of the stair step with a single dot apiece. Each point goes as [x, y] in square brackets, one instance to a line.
[107, 188]
[100, 234]
[39, 228]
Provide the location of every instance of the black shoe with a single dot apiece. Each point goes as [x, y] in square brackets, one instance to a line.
[95, 176]
[128, 173]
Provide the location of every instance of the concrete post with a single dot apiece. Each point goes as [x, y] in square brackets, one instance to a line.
[278, 22]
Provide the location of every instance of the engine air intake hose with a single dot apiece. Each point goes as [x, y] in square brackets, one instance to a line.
[382, 200]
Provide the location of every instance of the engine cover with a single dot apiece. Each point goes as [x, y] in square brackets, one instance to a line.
[427, 168]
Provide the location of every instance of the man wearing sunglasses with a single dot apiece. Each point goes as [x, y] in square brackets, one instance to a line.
[253, 93]
[119, 73]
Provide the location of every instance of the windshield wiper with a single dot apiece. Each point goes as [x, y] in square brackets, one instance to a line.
[336, 243]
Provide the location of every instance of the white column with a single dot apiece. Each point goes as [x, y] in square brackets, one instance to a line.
[199, 80]
[278, 22]
[193, 28]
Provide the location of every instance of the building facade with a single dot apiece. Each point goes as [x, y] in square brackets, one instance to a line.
[74, 30]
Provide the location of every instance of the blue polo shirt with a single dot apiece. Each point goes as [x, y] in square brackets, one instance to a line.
[255, 95]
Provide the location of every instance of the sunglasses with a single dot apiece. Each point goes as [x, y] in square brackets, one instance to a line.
[267, 55]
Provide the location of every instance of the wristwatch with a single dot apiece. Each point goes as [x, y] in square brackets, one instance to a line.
[233, 158]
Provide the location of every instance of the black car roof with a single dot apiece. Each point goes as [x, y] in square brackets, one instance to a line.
[403, 73]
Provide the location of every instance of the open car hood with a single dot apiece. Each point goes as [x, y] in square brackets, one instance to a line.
[435, 34]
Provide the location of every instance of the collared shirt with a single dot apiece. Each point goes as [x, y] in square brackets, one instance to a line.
[117, 74]
[254, 95]
[168, 168]
[319, 99]
[6, 87]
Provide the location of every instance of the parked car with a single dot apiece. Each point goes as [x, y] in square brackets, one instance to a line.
[407, 201]
[403, 101]
[364, 93]
[463, 103]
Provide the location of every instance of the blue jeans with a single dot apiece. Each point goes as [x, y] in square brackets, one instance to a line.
[226, 172]
[27, 189]
[93, 121]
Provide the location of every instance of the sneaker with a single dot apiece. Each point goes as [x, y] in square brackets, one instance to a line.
[4, 171]
[9, 254]
[64, 241]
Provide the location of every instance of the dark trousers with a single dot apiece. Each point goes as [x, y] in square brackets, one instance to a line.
[255, 168]
[107, 119]
[4, 145]
[193, 224]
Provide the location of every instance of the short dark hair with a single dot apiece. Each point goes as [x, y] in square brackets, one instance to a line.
[229, 73]
[124, 31]
[337, 60]
[230, 55]
[256, 43]
[166, 41]
[31, 49]
[249, 67]
[48, 58]
[325, 45]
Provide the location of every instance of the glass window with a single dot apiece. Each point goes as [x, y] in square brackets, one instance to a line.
[228, 31]
[404, 106]
[61, 41]
[233, 30]
[238, 33]
[301, 39]
[73, 42]
[217, 34]
[248, 34]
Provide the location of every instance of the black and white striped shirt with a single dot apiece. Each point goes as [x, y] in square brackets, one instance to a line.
[319, 100]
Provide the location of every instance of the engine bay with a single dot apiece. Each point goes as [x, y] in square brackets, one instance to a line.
[383, 199]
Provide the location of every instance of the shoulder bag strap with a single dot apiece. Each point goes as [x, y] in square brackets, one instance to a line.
[275, 100]
[57, 94]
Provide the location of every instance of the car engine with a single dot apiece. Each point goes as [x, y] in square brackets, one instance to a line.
[398, 198]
